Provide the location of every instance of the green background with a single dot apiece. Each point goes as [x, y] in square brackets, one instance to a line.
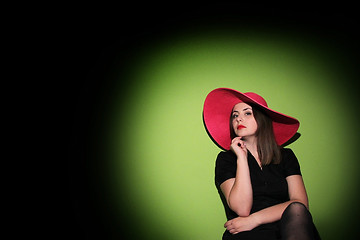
[161, 161]
[141, 165]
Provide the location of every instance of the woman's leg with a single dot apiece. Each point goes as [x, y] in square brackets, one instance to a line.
[296, 223]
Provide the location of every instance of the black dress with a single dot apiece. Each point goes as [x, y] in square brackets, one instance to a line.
[269, 188]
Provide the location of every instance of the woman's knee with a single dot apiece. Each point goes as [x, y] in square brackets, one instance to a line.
[296, 221]
[297, 206]
[296, 209]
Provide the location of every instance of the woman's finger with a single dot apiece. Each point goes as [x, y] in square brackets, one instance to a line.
[228, 223]
[239, 143]
[236, 141]
[236, 138]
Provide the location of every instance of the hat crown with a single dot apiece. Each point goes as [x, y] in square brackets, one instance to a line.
[257, 98]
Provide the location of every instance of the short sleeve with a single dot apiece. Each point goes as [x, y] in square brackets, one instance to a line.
[290, 163]
[225, 167]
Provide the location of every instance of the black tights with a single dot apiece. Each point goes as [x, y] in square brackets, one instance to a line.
[296, 223]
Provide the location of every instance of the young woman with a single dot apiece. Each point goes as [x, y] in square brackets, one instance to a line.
[259, 181]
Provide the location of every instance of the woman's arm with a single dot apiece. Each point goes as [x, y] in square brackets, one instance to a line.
[238, 190]
[297, 193]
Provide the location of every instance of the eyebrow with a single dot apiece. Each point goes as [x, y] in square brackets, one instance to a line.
[243, 109]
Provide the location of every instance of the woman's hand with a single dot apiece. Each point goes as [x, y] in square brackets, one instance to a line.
[239, 148]
[240, 224]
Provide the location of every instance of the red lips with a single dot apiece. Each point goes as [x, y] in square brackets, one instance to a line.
[241, 126]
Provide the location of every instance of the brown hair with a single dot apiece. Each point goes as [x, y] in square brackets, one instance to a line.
[268, 149]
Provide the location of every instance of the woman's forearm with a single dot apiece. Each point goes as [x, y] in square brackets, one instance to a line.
[241, 195]
[270, 214]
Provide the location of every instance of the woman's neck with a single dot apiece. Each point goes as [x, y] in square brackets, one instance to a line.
[251, 145]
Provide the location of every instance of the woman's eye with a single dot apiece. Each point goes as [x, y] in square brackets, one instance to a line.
[248, 113]
[235, 115]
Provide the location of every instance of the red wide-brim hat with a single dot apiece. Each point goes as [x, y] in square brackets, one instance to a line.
[217, 111]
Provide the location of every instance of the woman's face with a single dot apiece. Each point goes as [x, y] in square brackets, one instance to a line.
[243, 121]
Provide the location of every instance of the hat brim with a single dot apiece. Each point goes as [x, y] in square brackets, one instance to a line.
[217, 111]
